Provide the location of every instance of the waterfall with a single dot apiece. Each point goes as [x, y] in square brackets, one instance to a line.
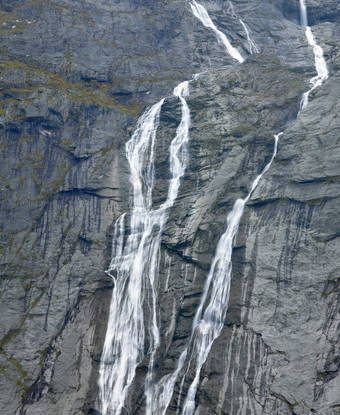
[210, 315]
[207, 326]
[252, 45]
[253, 48]
[209, 318]
[178, 162]
[320, 63]
[201, 13]
[135, 258]
[303, 13]
[124, 341]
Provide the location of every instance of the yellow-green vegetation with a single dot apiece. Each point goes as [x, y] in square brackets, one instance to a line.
[46, 192]
[11, 23]
[68, 145]
[332, 286]
[101, 157]
[34, 157]
[92, 92]
[26, 282]
[332, 179]
[11, 362]
[316, 202]
[25, 139]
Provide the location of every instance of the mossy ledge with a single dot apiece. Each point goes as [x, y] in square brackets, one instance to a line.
[92, 92]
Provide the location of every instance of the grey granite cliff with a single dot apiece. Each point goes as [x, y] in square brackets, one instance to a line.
[75, 76]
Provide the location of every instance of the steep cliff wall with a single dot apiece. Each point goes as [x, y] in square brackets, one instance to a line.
[75, 77]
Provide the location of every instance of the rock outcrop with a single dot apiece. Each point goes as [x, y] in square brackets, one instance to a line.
[75, 76]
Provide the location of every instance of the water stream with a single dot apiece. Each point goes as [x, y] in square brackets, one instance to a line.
[132, 333]
[135, 256]
[207, 325]
[201, 13]
[253, 48]
[320, 63]
[209, 318]
[210, 315]
[134, 262]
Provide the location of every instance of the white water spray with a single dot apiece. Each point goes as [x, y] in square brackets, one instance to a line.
[205, 330]
[210, 315]
[135, 259]
[208, 324]
[320, 63]
[178, 161]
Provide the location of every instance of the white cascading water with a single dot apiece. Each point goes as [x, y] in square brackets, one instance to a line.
[253, 48]
[252, 45]
[178, 161]
[208, 324]
[320, 63]
[201, 13]
[210, 315]
[135, 258]
[205, 330]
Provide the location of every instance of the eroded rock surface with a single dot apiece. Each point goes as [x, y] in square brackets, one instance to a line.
[75, 76]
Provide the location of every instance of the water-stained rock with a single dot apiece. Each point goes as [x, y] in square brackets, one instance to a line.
[75, 76]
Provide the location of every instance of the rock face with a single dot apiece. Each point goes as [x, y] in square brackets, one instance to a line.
[75, 77]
